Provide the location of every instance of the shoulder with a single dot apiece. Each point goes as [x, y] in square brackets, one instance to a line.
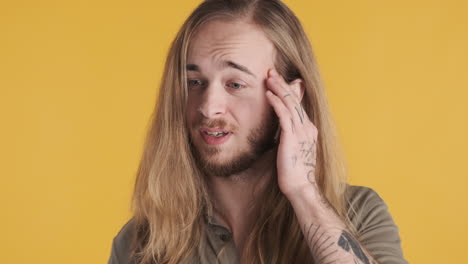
[363, 199]
[376, 228]
[366, 208]
[120, 253]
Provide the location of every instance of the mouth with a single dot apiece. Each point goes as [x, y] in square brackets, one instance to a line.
[215, 136]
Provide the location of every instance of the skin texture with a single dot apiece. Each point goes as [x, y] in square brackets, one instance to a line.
[248, 105]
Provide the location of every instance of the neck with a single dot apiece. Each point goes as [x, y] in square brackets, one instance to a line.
[235, 197]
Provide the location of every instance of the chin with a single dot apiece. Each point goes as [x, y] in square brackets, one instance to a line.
[219, 155]
[223, 162]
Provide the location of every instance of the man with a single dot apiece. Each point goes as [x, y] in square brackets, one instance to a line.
[240, 164]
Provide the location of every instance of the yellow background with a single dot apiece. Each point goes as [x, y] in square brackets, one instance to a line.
[78, 82]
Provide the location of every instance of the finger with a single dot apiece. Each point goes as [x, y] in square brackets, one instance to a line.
[281, 89]
[286, 122]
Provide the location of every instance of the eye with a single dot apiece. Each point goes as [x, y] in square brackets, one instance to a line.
[235, 85]
[194, 83]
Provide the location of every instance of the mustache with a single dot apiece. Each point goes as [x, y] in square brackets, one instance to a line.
[215, 123]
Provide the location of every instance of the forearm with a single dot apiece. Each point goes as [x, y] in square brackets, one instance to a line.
[328, 238]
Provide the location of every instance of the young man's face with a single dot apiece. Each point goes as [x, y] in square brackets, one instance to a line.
[229, 119]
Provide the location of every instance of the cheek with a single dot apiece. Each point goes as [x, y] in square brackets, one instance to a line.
[258, 105]
[191, 110]
[250, 112]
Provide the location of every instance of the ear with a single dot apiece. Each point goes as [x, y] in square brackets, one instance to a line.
[298, 88]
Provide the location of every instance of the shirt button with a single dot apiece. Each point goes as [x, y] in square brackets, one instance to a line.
[225, 237]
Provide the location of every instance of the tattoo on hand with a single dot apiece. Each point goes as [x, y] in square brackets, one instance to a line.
[300, 113]
[311, 177]
[307, 150]
[308, 155]
[294, 160]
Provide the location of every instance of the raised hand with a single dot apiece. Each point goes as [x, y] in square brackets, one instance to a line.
[297, 151]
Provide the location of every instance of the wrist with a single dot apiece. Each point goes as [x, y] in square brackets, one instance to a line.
[308, 202]
[307, 193]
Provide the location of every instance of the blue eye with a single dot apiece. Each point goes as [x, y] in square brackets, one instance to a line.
[236, 85]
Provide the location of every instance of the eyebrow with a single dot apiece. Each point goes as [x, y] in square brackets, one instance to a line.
[224, 64]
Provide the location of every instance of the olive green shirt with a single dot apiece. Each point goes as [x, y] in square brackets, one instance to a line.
[378, 233]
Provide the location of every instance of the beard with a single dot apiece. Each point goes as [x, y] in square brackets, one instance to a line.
[260, 140]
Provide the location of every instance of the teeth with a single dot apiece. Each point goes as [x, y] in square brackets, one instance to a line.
[215, 134]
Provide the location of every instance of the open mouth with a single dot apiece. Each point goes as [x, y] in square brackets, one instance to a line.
[215, 136]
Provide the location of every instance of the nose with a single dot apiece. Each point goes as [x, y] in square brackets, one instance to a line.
[213, 102]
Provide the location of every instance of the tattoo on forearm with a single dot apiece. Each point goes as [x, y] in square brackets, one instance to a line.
[347, 242]
[326, 251]
[320, 245]
[321, 260]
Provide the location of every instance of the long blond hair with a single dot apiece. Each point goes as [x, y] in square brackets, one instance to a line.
[170, 196]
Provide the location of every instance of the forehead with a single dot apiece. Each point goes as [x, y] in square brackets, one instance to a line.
[241, 42]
